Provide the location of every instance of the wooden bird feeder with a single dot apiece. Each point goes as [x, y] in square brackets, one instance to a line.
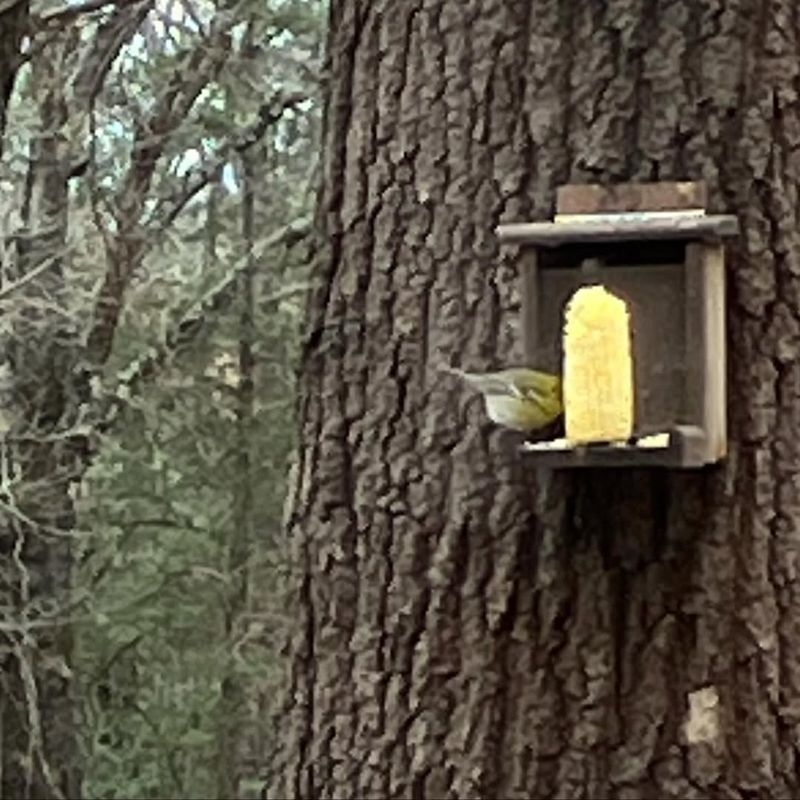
[653, 245]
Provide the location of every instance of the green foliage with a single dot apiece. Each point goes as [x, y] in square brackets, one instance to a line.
[154, 648]
[160, 503]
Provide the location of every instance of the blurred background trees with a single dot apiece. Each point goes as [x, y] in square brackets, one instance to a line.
[156, 183]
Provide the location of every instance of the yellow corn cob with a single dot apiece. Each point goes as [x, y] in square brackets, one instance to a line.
[598, 367]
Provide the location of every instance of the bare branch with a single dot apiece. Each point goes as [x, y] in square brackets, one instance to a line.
[13, 22]
[170, 23]
[15, 286]
[7, 5]
[105, 47]
[194, 70]
[23, 654]
[69, 13]
[191, 12]
[196, 180]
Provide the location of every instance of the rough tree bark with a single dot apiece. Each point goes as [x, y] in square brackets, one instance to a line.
[463, 627]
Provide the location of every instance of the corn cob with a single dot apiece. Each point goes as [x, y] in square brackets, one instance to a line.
[598, 367]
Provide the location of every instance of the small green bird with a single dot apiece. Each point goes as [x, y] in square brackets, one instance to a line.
[518, 398]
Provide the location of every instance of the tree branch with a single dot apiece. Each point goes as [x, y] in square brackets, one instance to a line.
[13, 24]
[192, 73]
[7, 5]
[105, 47]
[196, 180]
[28, 276]
[70, 13]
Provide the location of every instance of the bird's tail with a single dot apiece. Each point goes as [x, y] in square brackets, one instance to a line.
[474, 381]
[459, 373]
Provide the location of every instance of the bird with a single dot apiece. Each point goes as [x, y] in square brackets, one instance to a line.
[518, 398]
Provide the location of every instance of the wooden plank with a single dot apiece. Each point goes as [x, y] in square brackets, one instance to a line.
[708, 264]
[693, 352]
[554, 234]
[625, 216]
[607, 456]
[660, 196]
[530, 307]
[687, 450]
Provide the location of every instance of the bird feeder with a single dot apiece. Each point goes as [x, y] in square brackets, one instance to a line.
[654, 246]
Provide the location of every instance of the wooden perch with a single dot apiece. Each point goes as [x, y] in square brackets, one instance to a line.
[554, 234]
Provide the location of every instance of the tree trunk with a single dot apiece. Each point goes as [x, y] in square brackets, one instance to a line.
[464, 627]
[233, 699]
[39, 753]
[13, 24]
